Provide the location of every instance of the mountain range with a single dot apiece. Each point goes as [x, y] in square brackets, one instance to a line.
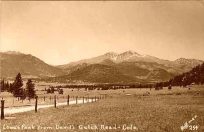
[126, 67]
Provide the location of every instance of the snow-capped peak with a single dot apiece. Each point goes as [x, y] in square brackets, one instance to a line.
[111, 54]
[130, 52]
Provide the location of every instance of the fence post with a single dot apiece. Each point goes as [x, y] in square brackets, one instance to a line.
[2, 109]
[36, 104]
[55, 102]
[76, 99]
[88, 99]
[91, 99]
[67, 99]
[83, 99]
[44, 98]
[95, 98]
[50, 98]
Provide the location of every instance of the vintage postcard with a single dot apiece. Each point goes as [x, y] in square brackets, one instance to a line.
[102, 66]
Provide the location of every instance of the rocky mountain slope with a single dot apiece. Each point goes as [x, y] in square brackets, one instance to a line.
[134, 66]
[178, 66]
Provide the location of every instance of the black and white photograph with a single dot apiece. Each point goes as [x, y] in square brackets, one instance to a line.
[102, 66]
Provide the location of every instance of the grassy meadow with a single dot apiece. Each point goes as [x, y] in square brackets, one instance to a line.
[123, 110]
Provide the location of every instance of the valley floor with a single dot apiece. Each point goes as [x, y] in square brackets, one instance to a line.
[122, 110]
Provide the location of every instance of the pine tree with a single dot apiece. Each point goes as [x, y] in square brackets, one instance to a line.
[6, 86]
[30, 89]
[17, 86]
[202, 73]
[10, 88]
[194, 76]
[2, 86]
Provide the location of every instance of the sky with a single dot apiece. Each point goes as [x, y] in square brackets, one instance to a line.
[62, 32]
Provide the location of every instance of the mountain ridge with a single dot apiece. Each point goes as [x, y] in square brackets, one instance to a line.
[132, 56]
[110, 67]
[29, 66]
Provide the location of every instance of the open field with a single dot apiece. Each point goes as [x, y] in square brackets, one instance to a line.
[44, 98]
[163, 110]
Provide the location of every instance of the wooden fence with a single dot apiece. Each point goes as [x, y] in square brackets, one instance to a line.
[76, 98]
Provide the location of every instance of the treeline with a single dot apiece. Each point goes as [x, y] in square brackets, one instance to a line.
[104, 86]
[16, 88]
[194, 76]
[51, 90]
